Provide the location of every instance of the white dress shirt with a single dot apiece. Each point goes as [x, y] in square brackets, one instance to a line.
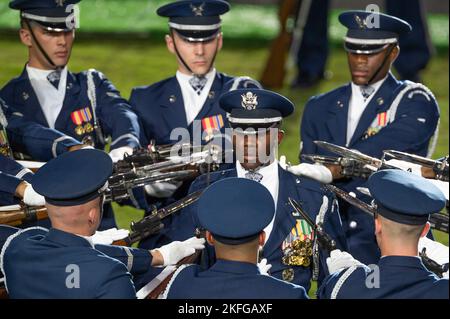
[50, 98]
[193, 102]
[357, 106]
[270, 181]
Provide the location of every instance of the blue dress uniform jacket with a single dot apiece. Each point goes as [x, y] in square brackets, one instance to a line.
[400, 277]
[229, 280]
[11, 175]
[38, 264]
[114, 115]
[113, 112]
[18, 134]
[27, 136]
[400, 116]
[5, 232]
[416, 118]
[305, 191]
[160, 107]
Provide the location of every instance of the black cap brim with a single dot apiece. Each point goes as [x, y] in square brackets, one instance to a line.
[57, 20]
[364, 48]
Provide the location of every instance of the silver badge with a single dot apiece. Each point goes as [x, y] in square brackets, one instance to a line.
[198, 11]
[25, 96]
[112, 94]
[60, 3]
[249, 101]
[361, 22]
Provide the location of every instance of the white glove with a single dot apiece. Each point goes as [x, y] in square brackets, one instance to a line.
[107, 237]
[162, 189]
[416, 169]
[435, 250]
[118, 153]
[264, 267]
[339, 260]
[317, 172]
[31, 198]
[177, 250]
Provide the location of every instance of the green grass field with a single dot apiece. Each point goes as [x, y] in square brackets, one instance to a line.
[249, 22]
[132, 62]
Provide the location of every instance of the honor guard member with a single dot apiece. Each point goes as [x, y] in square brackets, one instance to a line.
[374, 112]
[234, 212]
[404, 203]
[255, 116]
[62, 262]
[313, 51]
[25, 136]
[188, 100]
[85, 106]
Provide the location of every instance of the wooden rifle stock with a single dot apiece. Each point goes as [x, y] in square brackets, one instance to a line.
[275, 72]
[3, 293]
[23, 216]
[155, 293]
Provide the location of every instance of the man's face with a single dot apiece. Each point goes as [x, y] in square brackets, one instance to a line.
[199, 56]
[363, 66]
[255, 150]
[57, 45]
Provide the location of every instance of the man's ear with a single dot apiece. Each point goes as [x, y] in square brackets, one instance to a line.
[93, 216]
[377, 226]
[280, 136]
[394, 54]
[220, 39]
[209, 238]
[425, 230]
[25, 37]
[169, 43]
[262, 238]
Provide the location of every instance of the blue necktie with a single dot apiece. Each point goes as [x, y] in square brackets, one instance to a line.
[198, 83]
[254, 176]
[366, 91]
[54, 78]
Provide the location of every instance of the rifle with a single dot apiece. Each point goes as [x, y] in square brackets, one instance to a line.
[430, 264]
[349, 166]
[22, 215]
[274, 71]
[439, 167]
[151, 155]
[325, 241]
[438, 221]
[138, 170]
[151, 224]
[157, 286]
[353, 163]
